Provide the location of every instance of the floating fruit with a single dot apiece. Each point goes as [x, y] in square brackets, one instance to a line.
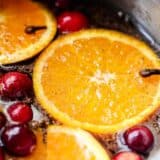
[139, 138]
[20, 112]
[66, 143]
[16, 44]
[77, 81]
[71, 21]
[39, 153]
[19, 140]
[15, 85]
[126, 155]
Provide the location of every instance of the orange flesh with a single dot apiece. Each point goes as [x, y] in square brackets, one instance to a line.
[99, 84]
[39, 153]
[14, 17]
[66, 147]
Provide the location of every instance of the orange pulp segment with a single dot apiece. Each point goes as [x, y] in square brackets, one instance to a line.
[90, 79]
[65, 143]
[15, 16]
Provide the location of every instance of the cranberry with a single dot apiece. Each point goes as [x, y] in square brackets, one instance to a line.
[2, 120]
[62, 3]
[15, 85]
[1, 154]
[71, 21]
[20, 112]
[18, 140]
[139, 139]
[126, 155]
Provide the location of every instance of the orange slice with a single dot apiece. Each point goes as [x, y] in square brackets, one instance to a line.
[15, 16]
[65, 143]
[40, 152]
[90, 79]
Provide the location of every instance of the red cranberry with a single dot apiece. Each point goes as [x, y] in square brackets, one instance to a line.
[71, 21]
[1, 154]
[126, 155]
[139, 139]
[2, 120]
[20, 112]
[18, 140]
[62, 3]
[15, 85]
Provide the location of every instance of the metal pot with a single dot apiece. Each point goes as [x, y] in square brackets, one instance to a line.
[145, 15]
